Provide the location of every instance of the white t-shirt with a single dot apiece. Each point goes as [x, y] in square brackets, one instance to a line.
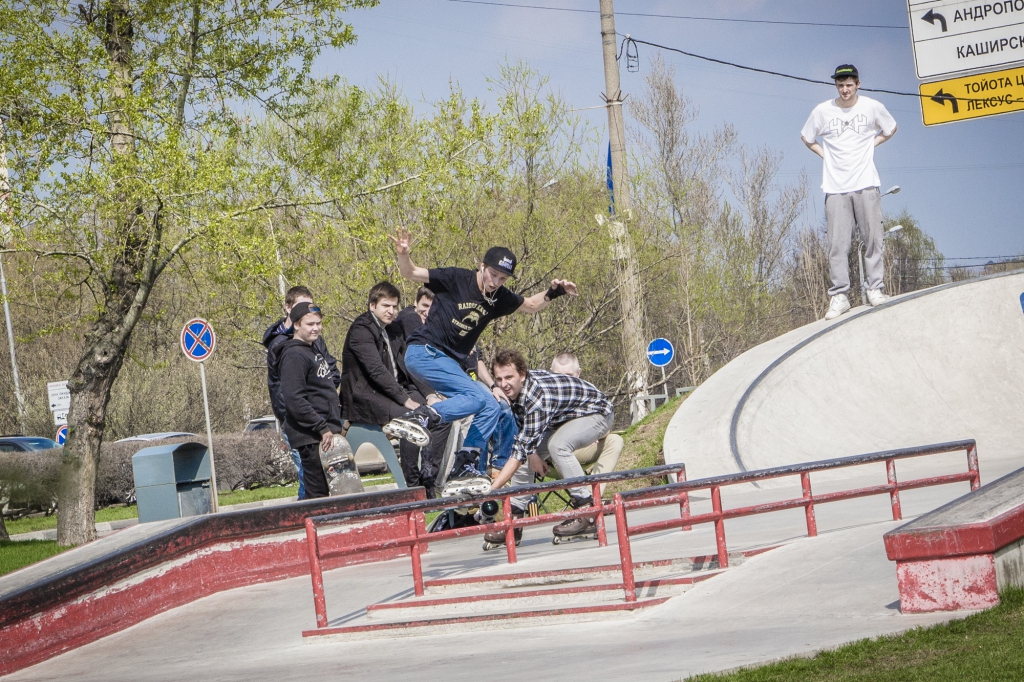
[848, 140]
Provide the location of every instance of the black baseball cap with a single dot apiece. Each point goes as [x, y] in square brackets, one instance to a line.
[301, 309]
[501, 259]
[846, 71]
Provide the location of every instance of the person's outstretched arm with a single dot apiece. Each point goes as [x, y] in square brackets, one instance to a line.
[403, 245]
[541, 300]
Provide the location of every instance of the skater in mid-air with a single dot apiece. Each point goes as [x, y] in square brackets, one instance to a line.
[465, 301]
[558, 414]
[850, 127]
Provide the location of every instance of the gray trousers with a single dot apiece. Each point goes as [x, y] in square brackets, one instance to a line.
[559, 445]
[845, 212]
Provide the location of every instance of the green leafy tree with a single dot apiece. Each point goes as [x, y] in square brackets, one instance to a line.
[122, 132]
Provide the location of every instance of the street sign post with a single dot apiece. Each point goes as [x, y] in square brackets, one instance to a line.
[659, 353]
[60, 401]
[197, 343]
[960, 99]
[951, 37]
[62, 435]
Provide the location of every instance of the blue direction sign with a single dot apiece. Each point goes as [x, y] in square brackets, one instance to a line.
[62, 435]
[1022, 301]
[660, 352]
[198, 340]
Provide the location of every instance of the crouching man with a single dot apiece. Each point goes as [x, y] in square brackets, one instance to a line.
[557, 415]
[312, 409]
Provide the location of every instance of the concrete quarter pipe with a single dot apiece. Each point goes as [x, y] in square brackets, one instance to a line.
[935, 365]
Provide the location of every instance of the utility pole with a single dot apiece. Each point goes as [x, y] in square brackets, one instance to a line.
[629, 292]
[5, 235]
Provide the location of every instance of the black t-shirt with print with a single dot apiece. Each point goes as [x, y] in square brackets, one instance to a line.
[460, 312]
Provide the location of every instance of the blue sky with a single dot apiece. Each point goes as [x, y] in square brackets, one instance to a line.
[963, 181]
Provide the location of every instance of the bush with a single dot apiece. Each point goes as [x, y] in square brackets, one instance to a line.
[28, 480]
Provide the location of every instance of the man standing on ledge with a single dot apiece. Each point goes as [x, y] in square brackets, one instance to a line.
[465, 301]
[850, 127]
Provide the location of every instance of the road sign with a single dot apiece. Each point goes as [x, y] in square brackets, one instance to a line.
[660, 352]
[59, 395]
[1022, 301]
[961, 99]
[62, 435]
[60, 418]
[951, 37]
[198, 339]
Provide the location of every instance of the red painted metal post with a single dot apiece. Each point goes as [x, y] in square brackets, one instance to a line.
[684, 503]
[625, 552]
[510, 533]
[972, 465]
[894, 494]
[414, 552]
[316, 574]
[812, 523]
[602, 534]
[716, 505]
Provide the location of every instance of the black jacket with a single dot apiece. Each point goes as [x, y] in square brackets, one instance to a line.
[273, 339]
[369, 387]
[310, 401]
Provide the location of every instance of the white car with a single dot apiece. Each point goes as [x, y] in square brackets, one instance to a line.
[149, 437]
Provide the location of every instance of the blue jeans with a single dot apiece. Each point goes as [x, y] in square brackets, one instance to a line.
[464, 397]
[502, 440]
[298, 465]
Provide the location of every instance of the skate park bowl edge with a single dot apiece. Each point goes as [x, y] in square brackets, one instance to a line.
[935, 365]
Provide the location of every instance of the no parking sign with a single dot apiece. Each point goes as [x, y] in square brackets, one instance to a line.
[62, 435]
[198, 340]
[197, 343]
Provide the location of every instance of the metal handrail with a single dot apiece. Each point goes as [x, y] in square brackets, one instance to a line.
[675, 492]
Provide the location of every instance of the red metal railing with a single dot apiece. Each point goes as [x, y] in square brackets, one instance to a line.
[418, 538]
[674, 493]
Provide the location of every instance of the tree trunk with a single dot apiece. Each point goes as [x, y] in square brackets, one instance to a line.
[90, 391]
[4, 535]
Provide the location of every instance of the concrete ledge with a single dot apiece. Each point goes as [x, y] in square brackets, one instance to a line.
[106, 586]
[960, 555]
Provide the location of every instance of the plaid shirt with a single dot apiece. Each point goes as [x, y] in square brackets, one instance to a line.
[547, 401]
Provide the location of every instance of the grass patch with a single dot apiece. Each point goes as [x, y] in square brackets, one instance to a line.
[984, 646]
[258, 494]
[31, 524]
[644, 446]
[15, 555]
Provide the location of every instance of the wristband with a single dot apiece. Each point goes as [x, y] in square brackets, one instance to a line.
[555, 292]
[494, 386]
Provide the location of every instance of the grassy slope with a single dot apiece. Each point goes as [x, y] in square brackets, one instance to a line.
[644, 446]
[15, 555]
[985, 646]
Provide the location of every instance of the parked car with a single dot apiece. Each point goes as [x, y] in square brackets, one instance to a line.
[149, 437]
[263, 423]
[26, 443]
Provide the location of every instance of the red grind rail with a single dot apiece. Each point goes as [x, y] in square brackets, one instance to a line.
[418, 538]
[673, 493]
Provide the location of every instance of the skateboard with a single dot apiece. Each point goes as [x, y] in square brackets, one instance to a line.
[340, 468]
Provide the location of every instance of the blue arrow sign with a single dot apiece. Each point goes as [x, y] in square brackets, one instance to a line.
[1022, 301]
[660, 352]
[62, 435]
[198, 340]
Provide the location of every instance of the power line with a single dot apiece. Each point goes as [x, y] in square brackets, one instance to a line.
[802, 79]
[679, 16]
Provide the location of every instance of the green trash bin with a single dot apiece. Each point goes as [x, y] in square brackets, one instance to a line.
[172, 481]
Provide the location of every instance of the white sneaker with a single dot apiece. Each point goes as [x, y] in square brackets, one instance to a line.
[876, 297]
[837, 306]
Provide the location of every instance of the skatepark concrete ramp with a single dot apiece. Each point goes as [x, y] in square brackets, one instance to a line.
[940, 364]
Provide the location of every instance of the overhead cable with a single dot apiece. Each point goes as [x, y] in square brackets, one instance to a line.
[680, 16]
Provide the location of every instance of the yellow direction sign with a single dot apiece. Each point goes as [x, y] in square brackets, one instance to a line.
[960, 99]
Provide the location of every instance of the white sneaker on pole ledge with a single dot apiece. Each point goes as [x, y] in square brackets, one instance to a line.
[876, 297]
[837, 306]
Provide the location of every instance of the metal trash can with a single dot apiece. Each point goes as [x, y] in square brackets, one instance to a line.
[172, 481]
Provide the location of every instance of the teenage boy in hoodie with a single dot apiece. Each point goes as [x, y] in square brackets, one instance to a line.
[375, 386]
[312, 411]
[465, 301]
[277, 334]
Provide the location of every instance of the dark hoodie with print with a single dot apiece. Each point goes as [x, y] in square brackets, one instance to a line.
[310, 398]
[273, 340]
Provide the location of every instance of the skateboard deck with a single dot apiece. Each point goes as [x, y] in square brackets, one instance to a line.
[340, 468]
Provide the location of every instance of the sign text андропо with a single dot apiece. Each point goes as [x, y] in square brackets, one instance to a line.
[59, 396]
[956, 37]
[961, 99]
